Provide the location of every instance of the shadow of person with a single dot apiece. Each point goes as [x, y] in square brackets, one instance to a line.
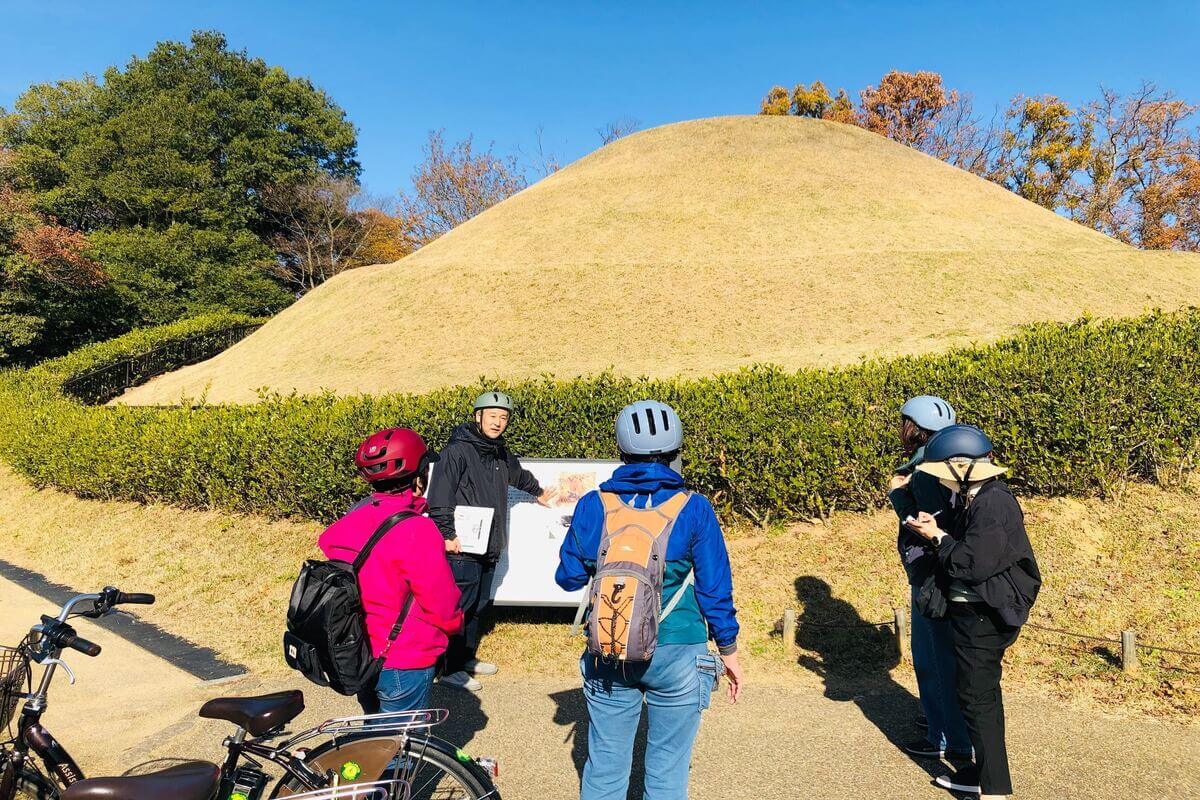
[570, 712]
[855, 659]
[467, 716]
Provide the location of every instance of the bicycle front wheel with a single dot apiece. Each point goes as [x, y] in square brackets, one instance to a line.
[434, 769]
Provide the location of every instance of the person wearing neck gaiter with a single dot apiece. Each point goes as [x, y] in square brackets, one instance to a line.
[993, 580]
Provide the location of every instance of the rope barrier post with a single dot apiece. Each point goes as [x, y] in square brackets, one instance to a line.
[789, 631]
[1129, 661]
[902, 634]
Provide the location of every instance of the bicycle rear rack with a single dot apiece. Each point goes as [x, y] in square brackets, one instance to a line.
[397, 722]
[392, 790]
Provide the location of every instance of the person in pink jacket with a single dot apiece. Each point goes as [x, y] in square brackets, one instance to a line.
[410, 559]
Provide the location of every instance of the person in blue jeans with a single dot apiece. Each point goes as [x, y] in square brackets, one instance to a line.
[932, 645]
[677, 682]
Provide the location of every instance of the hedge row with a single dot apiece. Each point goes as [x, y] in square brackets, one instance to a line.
[1071, 407]
[57, 371]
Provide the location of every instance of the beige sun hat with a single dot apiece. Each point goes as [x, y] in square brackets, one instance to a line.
[963, 470]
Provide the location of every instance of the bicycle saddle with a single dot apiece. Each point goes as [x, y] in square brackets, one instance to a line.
[256, 714]
[192, 780]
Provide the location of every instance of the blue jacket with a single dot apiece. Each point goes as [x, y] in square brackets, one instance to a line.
[696, 543]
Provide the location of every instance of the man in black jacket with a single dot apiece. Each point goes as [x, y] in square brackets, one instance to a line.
[476, 469]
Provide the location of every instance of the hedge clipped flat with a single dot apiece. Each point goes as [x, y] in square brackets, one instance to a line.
[695, 249]
[1072, 408]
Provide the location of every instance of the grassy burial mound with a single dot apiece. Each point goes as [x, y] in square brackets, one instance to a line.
[693, 249]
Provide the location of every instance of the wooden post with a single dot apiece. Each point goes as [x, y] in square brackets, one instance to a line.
[789, 631]
[902, 633]
[1129, 660]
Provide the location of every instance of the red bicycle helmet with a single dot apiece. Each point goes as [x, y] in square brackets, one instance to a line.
[392, 454]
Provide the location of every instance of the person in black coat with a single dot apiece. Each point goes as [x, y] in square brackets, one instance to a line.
[476, 469]
[991, 580]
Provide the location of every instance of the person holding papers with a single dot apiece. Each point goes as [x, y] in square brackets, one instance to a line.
[468, 499]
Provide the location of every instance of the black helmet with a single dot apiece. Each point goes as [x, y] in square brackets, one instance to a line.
[958, 441]
[962, 454]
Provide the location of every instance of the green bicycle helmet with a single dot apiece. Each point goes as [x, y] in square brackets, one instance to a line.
[494, 400]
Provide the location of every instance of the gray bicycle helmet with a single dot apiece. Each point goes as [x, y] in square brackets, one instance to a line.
[647, 428]
[494, 400]
[929, 412]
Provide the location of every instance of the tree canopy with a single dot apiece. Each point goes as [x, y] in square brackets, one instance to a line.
[162, 165]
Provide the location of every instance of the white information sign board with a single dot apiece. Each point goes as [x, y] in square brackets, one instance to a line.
[525, 574]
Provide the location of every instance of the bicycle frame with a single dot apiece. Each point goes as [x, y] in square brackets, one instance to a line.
[32, 736]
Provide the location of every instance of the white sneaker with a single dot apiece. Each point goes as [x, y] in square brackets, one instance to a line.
[965, 780]
[477, 667]
[461, 680]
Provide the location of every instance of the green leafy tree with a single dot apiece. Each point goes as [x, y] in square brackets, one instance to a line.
[163, 164]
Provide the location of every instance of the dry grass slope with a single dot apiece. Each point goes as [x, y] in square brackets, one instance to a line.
[1134, 563]
[695, 248]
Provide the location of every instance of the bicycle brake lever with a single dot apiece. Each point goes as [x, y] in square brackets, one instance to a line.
[63, 664]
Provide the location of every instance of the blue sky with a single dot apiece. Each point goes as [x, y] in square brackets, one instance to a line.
[502, 70]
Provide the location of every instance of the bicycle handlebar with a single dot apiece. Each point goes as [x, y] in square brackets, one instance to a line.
[135, 598]
[76, 642]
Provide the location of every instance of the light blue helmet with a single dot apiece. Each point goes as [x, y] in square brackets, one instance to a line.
[647, 428]
[929, 412]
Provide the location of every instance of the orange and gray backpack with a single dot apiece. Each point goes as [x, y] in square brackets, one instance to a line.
[625, 594]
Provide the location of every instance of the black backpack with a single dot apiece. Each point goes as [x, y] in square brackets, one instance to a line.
[326, 637]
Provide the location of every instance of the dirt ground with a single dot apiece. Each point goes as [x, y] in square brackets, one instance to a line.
[836, 743]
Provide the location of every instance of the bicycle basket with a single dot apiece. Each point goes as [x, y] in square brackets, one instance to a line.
[14, 682]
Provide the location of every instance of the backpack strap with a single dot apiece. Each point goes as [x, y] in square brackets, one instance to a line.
[361, 559]
[584, 602]
[678, 596]
[395, 632]
[384, 527]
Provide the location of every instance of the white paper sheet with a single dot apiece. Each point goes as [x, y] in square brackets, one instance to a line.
[473, 524]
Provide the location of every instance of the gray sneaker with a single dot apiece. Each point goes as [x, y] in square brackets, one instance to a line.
[461, 680]
[477, 667]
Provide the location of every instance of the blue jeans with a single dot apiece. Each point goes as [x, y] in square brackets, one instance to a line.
[398, 690]
[676, 685]
[933, 661]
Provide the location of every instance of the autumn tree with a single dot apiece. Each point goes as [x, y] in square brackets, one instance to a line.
[1043, 146]
[325, 226]
[1128, 166]
[812, 101]
[906, 106]
[777, 103]
[388, 237]
[50, 286]
[1143, 171]
[455, 183]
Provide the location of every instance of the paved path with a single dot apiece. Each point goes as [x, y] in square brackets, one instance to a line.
[779, 742]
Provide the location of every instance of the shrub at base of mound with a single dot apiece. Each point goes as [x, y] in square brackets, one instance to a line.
[1072, 409]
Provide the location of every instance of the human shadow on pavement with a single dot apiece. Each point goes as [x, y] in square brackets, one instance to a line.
[467, 717]
[854, 659]
[571, 713]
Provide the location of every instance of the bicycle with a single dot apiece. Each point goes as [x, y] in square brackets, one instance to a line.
[345, 751]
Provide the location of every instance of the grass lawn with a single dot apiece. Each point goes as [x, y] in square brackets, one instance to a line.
[1128, 563]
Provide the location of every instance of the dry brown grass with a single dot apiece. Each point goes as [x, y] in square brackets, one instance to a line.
[1132, 563]
[696, 248]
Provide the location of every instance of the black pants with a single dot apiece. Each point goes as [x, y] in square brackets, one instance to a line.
[474, 578]
[980, 639]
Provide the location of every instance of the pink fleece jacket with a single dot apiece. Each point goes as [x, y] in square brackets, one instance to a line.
[411, 557]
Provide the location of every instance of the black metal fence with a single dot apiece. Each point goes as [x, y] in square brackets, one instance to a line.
[104, 383]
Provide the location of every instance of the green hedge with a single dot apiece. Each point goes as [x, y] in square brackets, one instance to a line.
[57, 371]
[1072, 409]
